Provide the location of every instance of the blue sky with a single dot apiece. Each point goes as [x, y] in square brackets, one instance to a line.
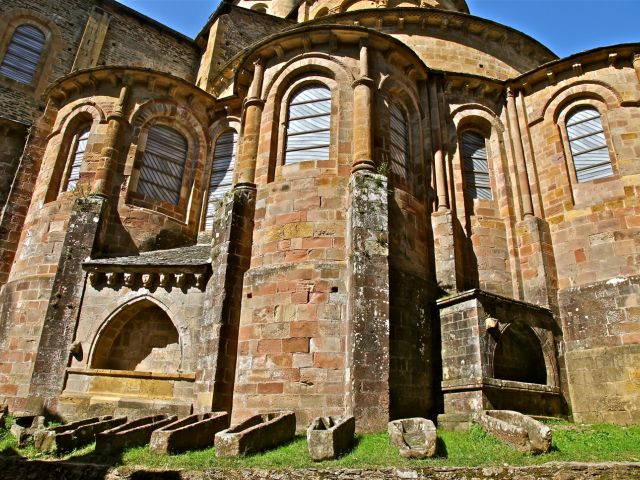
[565, 26]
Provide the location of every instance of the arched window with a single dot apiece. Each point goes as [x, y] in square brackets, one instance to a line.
[308, 125]
[224, 156]
[475, 165]
[23, 54]
[399, 141]
[74, 161]
[165, 156]
[588, 145]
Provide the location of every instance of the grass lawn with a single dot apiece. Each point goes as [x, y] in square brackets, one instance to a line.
[571, 442]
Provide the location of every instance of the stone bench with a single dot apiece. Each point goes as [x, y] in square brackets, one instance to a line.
[131, 434]
[65, 438]
[191, 433]
[414, 437]
[330, 437]
[255, 434]
[520, 431]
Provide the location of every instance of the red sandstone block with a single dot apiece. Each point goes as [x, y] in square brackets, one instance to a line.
[295, 255]
[297, 345]
[300, 297]
[304, 329]
[328, 360]
[318, 297]
[279, 361]
[317, 242]
[270, 388]
[270, 346]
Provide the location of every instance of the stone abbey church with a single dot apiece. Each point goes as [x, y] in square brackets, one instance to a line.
[385, 208]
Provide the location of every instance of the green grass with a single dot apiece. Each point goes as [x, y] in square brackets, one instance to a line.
[582, 443]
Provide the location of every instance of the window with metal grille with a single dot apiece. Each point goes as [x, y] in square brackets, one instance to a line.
[399, 141]
[308, 125]
[163, 163]
[588, 145]
[224, 157]
[76, 154]
[23, 54]
[475, 165]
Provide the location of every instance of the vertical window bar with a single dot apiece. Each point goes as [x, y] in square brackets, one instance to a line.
[163, 164]
[79, 147]
[23, 54]
[475, 166]
[588, 145]
[224, 157]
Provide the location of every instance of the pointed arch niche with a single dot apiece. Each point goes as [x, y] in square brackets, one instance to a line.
[139, 338]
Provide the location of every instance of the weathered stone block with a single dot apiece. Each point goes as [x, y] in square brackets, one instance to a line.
[520, 431]
[24, 427]
[414, 437]
[132, 434]
[191, 433]
[257, 433]
[330, 437]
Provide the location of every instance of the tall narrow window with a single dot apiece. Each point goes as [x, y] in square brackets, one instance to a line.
[23, 54]
[309, 118]
[475, 165]
[224, 157]
[76, 154]
[163, 163]
[399, 144]
[588, 145]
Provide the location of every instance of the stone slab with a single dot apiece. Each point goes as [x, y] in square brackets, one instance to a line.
[414, 437]
[191, 433]
[257, 433]
[330, 437]
[520, 431]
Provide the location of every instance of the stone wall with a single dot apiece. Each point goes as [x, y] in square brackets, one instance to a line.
[131, 39]
[19, 468]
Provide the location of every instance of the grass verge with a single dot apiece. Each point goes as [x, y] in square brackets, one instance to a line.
[579, 443]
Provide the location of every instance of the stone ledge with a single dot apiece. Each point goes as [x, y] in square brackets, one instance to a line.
[20, 468]
[98, 372]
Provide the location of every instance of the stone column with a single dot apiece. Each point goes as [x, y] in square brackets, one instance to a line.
[60, 322]
[253, 107]
[443, 221]
[439, 156]
[518, 151]
[368, 356]
[362, 117]
[368, 303]
[218, 334]
[102, 182]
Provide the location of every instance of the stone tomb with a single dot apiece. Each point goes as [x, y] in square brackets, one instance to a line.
[330, 437]
[520, 431]
[24, 427]
[191, 433]
[414, 437]
[257, 433]
[65, 438]
[132, 434]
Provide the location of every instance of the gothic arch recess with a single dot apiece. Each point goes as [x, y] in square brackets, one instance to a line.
[138, 337]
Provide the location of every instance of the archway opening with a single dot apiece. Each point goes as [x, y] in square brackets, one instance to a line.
[518, 356]
[141, 338]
